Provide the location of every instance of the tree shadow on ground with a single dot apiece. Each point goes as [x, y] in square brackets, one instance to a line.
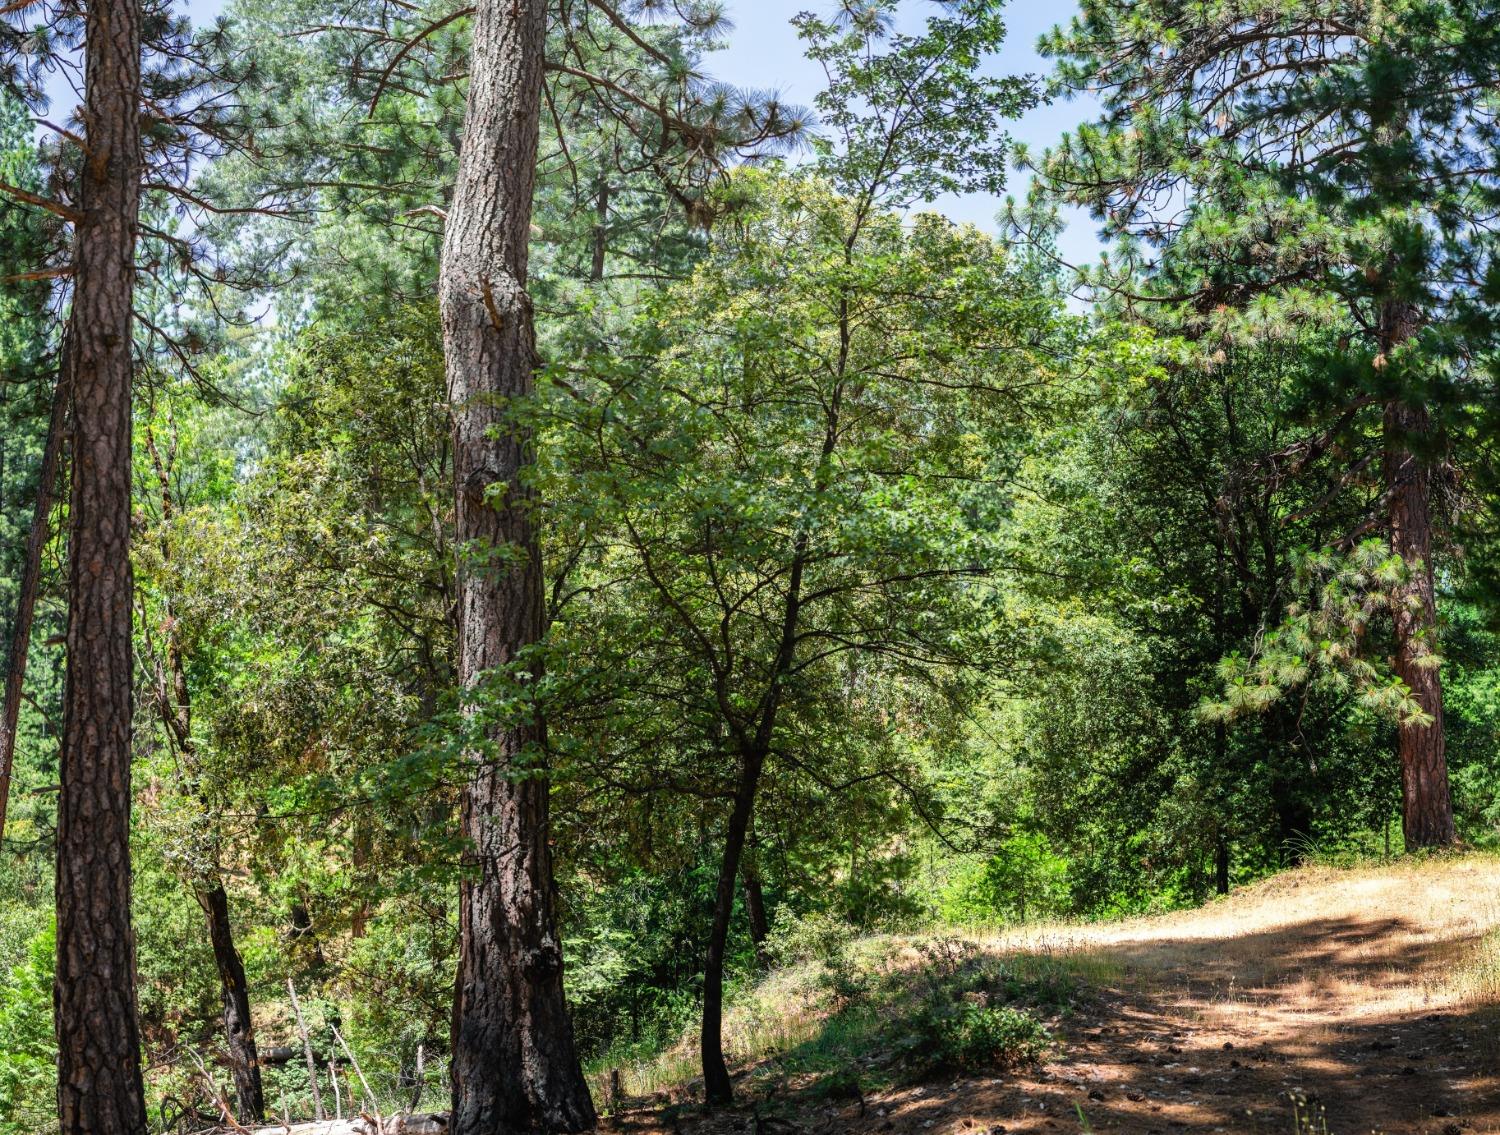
[1182, 1034]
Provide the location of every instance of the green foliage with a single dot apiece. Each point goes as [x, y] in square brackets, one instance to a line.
[970, 1037]
[1325, 644]
[1024, 880]
[28, 1051]
[1028, 613]
[918, 97]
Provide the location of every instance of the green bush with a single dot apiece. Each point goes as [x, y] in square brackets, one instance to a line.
[28, 1053]
[971, 1036]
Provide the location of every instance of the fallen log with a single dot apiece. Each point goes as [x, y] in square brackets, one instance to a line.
[426, 1124]
[277, 1054]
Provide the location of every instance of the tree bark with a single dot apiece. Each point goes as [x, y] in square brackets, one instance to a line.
[514, 1066]
[19, 646]
[99, 1088]
[717, 1087]
[238, 1031]
[307, 1052]
[1221, 865]
[1426, 807]
[601, 231]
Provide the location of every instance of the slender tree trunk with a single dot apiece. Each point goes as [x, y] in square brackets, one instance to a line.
[17, 649]
[754, 748]
[717, 1087]
[244, 1065]
[1221, 865]
[363, 842]
[99, 1088]
[1427, 810]
[514, 1065]
[601, 231]
[755, 910]
[174, 706]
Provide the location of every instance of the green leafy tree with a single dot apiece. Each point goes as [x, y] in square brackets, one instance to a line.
[1295, 165]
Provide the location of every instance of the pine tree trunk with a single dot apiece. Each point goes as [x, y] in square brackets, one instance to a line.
[244, 1066]
[98, 1034]
[717, 1087]
[1427, 810]
[1221, 865]
[514, 1065]
[19, 646]
[601, 231]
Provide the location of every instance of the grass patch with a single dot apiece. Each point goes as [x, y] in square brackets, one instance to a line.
[1475, 979]
[870, 1013]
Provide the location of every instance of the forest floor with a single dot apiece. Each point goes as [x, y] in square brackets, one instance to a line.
[1364, 999]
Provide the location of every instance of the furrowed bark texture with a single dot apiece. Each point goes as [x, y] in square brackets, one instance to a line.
[19, 645]
[514, 1066]
[99, 1077]
[1426, 806]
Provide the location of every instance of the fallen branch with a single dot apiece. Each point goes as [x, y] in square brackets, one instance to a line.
[424, 1124]
[374, 1103]
[312, 1066]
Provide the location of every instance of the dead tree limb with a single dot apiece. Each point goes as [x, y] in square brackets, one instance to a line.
[312, 1066]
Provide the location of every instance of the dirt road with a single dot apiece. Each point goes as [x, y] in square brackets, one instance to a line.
[1367, 995]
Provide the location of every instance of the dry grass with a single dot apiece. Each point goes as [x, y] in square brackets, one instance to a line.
[1300, 957]
[1418, 934]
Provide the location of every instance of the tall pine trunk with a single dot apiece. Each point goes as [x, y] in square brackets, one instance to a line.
[19, 645]
[1426, 807]
[98, 1035]
[514, 1064]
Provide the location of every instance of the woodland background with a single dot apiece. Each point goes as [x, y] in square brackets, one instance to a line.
[1100, 603]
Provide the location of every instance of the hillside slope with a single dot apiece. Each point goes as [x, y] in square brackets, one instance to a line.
[1362, 998]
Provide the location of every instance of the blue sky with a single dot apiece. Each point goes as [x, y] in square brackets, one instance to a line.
[763, 52]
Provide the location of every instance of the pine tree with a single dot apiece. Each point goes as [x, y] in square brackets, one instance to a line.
[1297, 164]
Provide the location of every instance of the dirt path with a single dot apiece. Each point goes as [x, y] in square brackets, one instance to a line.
[1364, 993]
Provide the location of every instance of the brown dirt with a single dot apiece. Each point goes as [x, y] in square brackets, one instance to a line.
[1365, 993]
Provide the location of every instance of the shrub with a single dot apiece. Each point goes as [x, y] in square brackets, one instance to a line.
[28, 1053]
[971, 1036]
